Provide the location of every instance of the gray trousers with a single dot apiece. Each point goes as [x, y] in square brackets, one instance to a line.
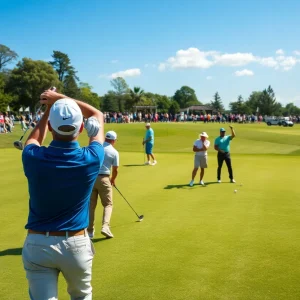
[44, 257]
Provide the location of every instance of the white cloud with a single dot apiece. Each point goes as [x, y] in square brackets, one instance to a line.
[195, 58]
[114, 61]
[279, 52]
[287, 62]
[190, 58]
[209, 78]
[244, 72]
[162, 67]
[268, 62]
[234, 59]
[126, 73]
[150, 65]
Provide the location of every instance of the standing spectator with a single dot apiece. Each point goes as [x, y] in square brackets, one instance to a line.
[60, 179]
[149, 142]
[222, 145]
[103, 186]
[200, 160]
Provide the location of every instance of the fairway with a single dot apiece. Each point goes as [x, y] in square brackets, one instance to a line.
[194, 242]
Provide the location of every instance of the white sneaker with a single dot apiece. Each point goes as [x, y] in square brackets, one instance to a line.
[201, 182]
[219, 181]
[191, 183]
[232, 181]
[106, 232]
[147, 163]
[154, 163]
[91, 234]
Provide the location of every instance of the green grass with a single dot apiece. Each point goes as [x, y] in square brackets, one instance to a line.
[194, 243]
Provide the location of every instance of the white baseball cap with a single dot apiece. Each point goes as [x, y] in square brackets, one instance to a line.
[204, 134]
[111, 135]
[148, 125]
[65, 112]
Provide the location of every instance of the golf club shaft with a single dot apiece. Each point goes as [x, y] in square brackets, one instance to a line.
[24, 134]
[126, 201]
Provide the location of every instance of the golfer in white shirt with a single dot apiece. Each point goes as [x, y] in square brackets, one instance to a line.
[200, 148]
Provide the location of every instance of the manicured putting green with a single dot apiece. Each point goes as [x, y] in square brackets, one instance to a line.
[194, 243]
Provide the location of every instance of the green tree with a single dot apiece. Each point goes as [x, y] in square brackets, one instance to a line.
[239, 107]
[253, 101]
[87, 95]
[121, 91]
[291, 110]
[136, 95]
[267, 102]
[66, 73]
[6, 56]
[161, 101]
[216, 103]
[174, 107]
[71, 88]
[62, 65]
[29, 79]
[186, 97]
[109, 102]
[5, 99]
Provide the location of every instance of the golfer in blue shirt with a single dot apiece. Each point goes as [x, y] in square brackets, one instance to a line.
[60, 180]
[222, 145]
[148, 141]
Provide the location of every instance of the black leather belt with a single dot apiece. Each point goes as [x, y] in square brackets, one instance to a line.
[103, 175]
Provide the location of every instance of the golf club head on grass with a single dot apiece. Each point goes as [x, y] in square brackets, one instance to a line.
[141, 217]
[18, 145]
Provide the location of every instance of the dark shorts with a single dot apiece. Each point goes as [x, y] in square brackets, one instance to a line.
[149, 147]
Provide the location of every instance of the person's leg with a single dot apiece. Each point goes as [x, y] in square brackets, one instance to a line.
[220, 164]
[152, 156]
[203, 165]
[229, 167]
[42, 276]
[148, 150]
[75, 262]
[105, 192]
[201, 173]
[93, 205]
[194, 173]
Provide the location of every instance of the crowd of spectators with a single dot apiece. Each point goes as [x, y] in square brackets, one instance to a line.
[8, 120]
[118, 117]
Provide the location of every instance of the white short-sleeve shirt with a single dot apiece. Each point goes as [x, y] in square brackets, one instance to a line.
[111, 159]
[199, 144]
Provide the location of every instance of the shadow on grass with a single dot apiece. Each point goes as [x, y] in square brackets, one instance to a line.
[143, 165]
[182, 186]
[176, 186]
[99, 239]
[13, 251]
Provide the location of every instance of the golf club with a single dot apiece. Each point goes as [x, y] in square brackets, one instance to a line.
[18, 144]
[141, 217]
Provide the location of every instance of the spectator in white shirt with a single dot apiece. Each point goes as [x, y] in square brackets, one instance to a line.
[200, 161]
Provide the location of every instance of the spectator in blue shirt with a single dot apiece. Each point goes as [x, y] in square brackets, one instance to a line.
[148, 141]
[60, 180]
[222, 145]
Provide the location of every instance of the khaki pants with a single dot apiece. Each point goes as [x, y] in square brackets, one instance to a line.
[103, 188]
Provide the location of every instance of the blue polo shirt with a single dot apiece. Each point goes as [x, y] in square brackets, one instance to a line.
[150, 133]
[223, 143]
[60, 180]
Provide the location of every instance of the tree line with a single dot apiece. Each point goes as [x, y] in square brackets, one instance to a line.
[21, 86]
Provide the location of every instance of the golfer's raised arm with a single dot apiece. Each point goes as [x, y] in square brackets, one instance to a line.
[232, 132]
[89, 111]
[39, 132]
[49, 97]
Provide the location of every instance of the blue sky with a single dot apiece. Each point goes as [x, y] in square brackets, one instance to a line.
[233, 47]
